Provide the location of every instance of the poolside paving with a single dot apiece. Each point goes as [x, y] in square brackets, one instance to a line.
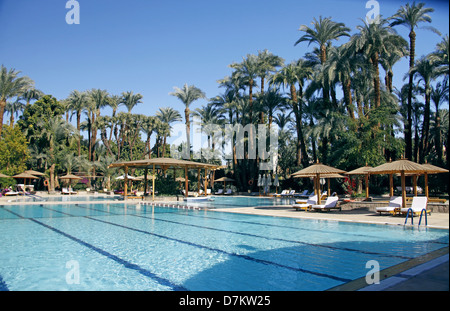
[432, 275]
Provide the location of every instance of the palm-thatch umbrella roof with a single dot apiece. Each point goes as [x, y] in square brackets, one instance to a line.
[25, 176]
[402, 166]
[4, 176]
[70, 176]
[316, 170]
[35, 173]
[364, 170]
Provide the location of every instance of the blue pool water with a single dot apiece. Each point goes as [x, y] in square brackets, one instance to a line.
[64, 198]
[235, 201]
[124, 246]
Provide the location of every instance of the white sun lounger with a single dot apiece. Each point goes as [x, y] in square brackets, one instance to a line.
[330, 203]
[311, 201]
[394, 202]
[417, 205]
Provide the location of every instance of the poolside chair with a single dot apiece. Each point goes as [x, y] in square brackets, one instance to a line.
[330, 203]
[305, 206]
[284, 193]
[302, 195]
[65, 191]
[279, 194]
[219, 192]
[228, 192]
[291, 193]
[394, 202]
[417, 205]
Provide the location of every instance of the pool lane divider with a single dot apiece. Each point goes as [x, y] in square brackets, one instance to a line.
[113, 257]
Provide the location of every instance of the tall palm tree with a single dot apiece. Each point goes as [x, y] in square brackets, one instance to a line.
[439, 95]
[291, 75]
[30, 94]
[78, 102]
[410, 16]
[14, 108]
[425, 70]
[441, 56]
[268, 63]
[323, 32]
[187, 95]
[99, 99]
[168, 115]
[247, 71]
[148, 126]
[130, 100]
[11, 85]
[374, 40]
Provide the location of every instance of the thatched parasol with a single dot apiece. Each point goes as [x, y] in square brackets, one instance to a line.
[317, 170]
[402, 166]
[4, 176]
[224, 180]
[363, 171]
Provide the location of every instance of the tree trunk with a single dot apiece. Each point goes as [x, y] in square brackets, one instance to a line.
[348, 98]
[2, 112]
[376, 80]
[408, 124]
[188, 131]
[426, 125]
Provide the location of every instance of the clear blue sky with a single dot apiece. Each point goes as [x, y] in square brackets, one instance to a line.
[149, 46]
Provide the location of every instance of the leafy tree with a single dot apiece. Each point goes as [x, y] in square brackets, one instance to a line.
[13, 150]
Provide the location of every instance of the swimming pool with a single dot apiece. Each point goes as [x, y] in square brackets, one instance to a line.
[236, 201]
[127, 246]
[64, 198]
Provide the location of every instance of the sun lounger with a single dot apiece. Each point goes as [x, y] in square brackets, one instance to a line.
[219, 192]
[305, 206]
[394, 203]
[228, 192]
[12, 193]
[330, 203]
[302, 195]
[417, 205]
[279, 194]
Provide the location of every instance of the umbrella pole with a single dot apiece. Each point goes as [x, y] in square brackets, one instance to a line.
[426, 184]
[206, 182]
[186, 188]
[367, 185]
[125, 188]
[391, 185]
[318, 188]
[153, 183]
[403, 190]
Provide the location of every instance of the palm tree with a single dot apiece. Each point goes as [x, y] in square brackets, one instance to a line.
[374, 40]
[441, 56]
[439, 95]
[168, 116]
[323, 32]
[14, 108]
[130, 100]
[99, 99]
[410, 16]
[11, 85]
[187, 95]
[289, 76]
[148, 126]
[30, 94]
[246, 72]
[78, 102]
[426, 70]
